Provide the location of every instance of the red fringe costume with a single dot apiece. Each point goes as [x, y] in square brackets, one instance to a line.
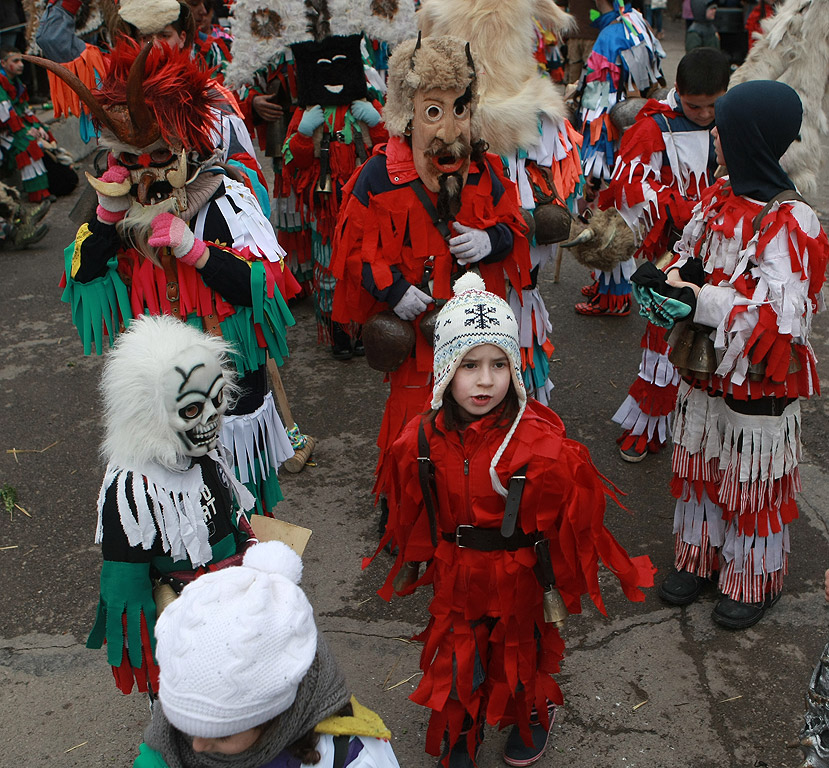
[736, 472]
[661, 170]
[487, 612]
[301, 174]
[383, 224]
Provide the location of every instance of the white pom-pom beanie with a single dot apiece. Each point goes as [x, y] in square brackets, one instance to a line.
[474, 316]
[233, 648]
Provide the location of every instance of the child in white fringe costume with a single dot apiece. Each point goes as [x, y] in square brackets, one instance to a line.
[763, 254]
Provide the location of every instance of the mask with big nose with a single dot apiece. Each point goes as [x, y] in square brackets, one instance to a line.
[194, 396]
[441, 134]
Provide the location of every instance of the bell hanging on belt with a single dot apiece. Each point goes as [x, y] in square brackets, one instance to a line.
[324, 185]
[555, 612]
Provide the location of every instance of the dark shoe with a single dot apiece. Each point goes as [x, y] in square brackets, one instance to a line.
[359, 349]
[517, 753]
[341, 343]
[681, 587]
[733, 614]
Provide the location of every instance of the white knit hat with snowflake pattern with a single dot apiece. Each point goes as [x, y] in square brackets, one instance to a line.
[472, 317]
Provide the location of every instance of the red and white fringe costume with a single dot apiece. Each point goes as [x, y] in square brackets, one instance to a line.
[661, 170]
[736, 475]
[557, 150]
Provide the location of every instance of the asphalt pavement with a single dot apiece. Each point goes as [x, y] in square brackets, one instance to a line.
[648, 685]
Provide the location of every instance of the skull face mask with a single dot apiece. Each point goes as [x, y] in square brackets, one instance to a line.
[195, 400]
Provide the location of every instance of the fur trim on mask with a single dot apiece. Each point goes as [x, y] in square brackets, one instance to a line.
[511, 89]
[793, 50]
[136, 422]
[149, 16]
[440, 62]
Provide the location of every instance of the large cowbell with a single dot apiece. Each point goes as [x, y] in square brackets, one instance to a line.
[329, 72]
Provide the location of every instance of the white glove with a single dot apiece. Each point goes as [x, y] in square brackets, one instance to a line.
[470, 245]
[412, 303]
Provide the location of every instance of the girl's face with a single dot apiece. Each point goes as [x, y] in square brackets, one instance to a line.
[228, 745]
[482, 380]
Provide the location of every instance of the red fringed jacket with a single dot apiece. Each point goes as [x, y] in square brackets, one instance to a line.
[564, 499]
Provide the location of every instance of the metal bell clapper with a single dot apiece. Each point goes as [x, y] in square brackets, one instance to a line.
[555, 612]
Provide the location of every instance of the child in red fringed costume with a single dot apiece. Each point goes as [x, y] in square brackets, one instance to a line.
[502, 488]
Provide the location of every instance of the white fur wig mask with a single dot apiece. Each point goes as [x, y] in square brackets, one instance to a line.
[165, 387]
[502, 35]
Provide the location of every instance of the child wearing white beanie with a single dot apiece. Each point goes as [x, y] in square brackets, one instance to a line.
[246, 681]
[508, 514]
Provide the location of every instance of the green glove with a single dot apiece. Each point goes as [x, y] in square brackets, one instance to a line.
[658, 309]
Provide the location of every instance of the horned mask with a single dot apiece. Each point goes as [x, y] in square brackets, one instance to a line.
[156, 111]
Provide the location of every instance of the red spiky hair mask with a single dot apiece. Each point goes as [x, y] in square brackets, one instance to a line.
[157, 92]
[150, 94]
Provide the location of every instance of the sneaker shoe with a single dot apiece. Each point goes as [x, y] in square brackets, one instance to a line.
[359, 347]
[633, 454]
[517, 753]
[590, 290]
[733, 614]
[34, 214]
[681, 587]
[592, 308]
[26, 234]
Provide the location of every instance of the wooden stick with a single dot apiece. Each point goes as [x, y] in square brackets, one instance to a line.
[279, 391]
[557, 273]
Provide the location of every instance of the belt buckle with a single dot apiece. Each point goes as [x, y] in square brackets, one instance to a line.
[459, 532]
[339, 136]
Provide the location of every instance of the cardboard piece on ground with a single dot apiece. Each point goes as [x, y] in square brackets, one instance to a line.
[271, 529]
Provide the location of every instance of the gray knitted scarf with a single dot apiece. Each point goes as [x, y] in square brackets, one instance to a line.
[321, 694]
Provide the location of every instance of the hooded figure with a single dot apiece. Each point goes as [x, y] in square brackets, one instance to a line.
[762, 255]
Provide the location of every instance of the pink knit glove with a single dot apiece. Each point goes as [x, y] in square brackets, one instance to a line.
[112, 209]
[170, 231]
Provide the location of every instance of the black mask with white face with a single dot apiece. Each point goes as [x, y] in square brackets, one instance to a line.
[329, 72]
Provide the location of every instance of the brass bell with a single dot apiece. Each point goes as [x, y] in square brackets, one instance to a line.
[703, 359]
[324, 185]
[681, 340]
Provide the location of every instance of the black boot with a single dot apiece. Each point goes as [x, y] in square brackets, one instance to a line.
[517, 753]
[341, 342]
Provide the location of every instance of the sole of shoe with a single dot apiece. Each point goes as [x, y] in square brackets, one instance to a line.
[633, 458]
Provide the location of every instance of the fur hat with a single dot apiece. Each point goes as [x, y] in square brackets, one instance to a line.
[472, 317]
[149, 16]
[234, 647]
[433, 62]
[137, 426]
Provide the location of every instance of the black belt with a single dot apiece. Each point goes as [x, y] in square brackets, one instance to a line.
[489, 539]
[763, 406]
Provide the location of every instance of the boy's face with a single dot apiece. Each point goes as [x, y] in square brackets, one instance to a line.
[13, 64]
[699, 107]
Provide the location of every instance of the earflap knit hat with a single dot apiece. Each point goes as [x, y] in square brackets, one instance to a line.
[233, 648]
[472, 317]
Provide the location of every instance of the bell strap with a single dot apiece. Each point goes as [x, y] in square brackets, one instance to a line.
[426, 202]
[170, 267]
[426, 475]
[516, 490]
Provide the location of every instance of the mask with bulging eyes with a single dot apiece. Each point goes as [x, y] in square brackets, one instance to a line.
[194, 395]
